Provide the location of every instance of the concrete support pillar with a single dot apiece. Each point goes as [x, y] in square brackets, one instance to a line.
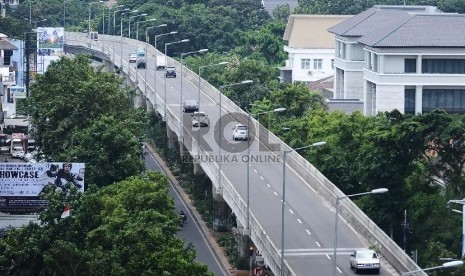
[220, 212]
[139, 100]
[182, 149]
[109, 66]
[148, 105]
[198, 169]
[171, 137]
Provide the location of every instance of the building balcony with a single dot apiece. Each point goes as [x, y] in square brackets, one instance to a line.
[415, 79]
[9, 79]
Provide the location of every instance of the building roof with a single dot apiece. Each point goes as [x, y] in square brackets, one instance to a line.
[5, 44]
[420, 30]
[305, 31]
[377, 17]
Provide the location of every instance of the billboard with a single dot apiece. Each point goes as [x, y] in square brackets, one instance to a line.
[49, 46]
[21, 184]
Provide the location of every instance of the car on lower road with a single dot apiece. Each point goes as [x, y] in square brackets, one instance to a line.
[17, 152]
[365, 260]
[240, 132]
[190, 106]
[170, 72]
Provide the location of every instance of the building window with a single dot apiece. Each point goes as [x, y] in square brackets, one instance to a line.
[409, 101]
[410, 65]
[305, 63]
[317, 64]
[332, 63]
[443, 66]
[450, 100]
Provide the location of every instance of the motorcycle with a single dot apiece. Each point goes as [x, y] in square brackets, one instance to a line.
[182, 219]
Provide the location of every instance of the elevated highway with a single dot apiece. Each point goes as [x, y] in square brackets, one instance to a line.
[309, 216]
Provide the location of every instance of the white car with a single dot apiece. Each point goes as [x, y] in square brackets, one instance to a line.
[200, 119]
[18, 152]
[240, 132]
[365, 259]
[132, 57]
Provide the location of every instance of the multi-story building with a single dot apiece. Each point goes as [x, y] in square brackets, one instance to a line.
[310, 47]
[7, 73]
[409, 58]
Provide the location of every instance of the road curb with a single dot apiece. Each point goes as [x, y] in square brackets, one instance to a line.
[206, 231]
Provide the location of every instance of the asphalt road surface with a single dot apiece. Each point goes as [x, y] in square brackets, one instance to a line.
[191, 231]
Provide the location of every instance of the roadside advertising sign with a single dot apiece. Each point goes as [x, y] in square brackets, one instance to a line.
[21, 184]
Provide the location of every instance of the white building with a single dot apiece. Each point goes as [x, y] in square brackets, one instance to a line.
[310, 47]
[409, 58]
[8, 76]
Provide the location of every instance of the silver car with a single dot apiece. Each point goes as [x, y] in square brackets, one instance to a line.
[365, 259]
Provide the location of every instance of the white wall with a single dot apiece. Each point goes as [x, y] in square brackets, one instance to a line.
[394, 64]
[299, 74]
[390, 97]
[353, 85]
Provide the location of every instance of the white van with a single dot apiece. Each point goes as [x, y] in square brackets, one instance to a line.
[161, 64]
[200, 119]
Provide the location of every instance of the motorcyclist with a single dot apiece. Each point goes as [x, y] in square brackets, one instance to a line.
[183, 217]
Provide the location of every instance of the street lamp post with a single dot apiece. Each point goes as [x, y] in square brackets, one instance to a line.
[461, 201]
[180, 100]
[38, 21]
[134, 16]
[121, 36]
[338, 198]
[198, 94]
[285, 152]
[90, 4]
[444, 265]
[129, 21]
[166, 63]
[155, 45]
[114, 19]
[147, 41]
[137, 27]
[249, 115]
[220, 129]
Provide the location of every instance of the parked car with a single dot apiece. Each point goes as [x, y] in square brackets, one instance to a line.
[200, 119]
[170, 72]
[365, 259]
[240, 132]
[132, 57]
[190, 106]
[17, 152]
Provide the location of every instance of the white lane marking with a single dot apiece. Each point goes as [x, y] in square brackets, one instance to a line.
[269, 186]
[318, 244]
[290, 210]
[299, 221]
[327, 256]
[338, 269]
[308, 232]
[261, 177]
[275, 193]
[255, 171]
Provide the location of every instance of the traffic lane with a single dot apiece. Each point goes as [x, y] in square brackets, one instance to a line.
[191, 231]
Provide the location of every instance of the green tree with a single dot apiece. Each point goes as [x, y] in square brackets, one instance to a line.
[124, 229]
[80, 113]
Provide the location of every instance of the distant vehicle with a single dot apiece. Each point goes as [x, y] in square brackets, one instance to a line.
[31, 145]
[93, 36]
[141, 63]
[18, 152]
[190, 106]
[16, 141]
[170, 72]
[132, 57]
[4, 144]
[141, 59]
[140, 52]
[365, 259]
[240, 132]
[161, 63]
[200, 119]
